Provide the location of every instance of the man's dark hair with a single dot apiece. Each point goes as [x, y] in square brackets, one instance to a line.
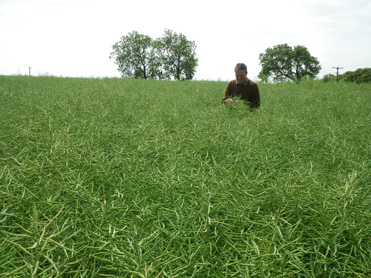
[240, 66]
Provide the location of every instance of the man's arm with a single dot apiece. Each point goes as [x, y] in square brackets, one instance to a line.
[227, 94]
[254, 101]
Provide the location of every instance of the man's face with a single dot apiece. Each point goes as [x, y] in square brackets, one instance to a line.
[241, 76]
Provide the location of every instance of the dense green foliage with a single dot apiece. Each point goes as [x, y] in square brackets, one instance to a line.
[148, 178]
[169, 57]
[283, 62]
[177, 56]
[135, 56]
[358, 76]
[361, 75]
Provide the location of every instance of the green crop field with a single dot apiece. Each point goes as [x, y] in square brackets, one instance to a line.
[147, 178]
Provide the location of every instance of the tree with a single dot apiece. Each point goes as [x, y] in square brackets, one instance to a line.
[283, 62]
[135, 56]
[361, 75]
[177, 55]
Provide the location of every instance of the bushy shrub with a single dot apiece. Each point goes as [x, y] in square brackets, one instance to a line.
[328, 78]
[358, 76]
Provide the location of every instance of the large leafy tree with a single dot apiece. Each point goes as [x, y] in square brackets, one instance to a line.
[283, 62]
[171, 56]
[135, 56]
[177, 56]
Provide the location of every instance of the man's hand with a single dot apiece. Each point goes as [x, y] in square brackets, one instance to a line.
[228, 100]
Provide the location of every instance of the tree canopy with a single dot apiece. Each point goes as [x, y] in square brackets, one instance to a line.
[283, 62]
[169, 57]
[135, 56]
[361, 75]
[177, 55]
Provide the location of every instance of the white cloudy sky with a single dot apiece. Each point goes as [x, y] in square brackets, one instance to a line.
[75, 37]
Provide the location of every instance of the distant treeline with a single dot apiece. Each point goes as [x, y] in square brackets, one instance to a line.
[359, 76]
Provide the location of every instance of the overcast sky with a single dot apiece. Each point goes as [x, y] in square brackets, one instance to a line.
[75, 37]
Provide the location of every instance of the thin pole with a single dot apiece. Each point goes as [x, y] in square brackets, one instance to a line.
[337, 72]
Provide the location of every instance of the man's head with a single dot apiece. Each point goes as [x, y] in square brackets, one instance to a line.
[241, 72]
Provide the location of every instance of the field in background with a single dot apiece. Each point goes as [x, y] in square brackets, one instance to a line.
[145, 178]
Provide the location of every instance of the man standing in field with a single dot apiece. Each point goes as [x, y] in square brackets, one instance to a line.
[242, 87]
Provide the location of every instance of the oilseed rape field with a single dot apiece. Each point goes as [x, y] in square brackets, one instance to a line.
[120, 177]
